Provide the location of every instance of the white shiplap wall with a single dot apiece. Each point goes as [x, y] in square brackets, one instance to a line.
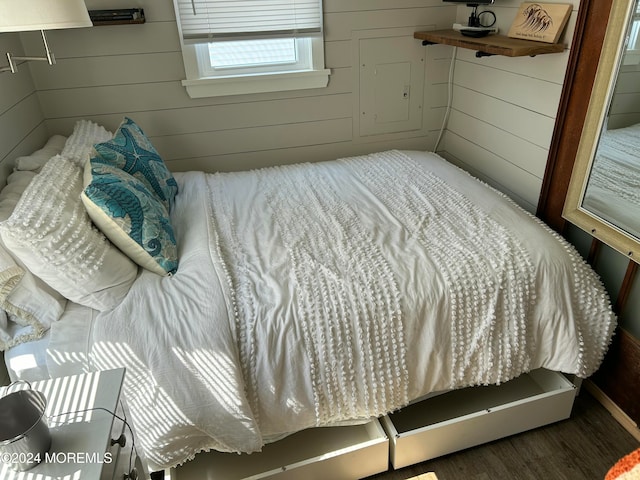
[625, 103]
[504, 110]
[22, 127]
[500, 128]
[106, 72]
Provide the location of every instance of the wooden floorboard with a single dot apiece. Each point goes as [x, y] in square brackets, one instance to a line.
[583, 447]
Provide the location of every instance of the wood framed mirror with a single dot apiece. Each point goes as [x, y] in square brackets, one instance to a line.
[617, 383]
[603, 197]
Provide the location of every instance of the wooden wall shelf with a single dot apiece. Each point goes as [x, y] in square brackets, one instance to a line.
[489, 45]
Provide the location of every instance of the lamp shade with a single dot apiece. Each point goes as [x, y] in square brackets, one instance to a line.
[27, 15]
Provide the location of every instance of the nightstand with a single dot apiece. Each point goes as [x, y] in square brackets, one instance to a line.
[86, 438]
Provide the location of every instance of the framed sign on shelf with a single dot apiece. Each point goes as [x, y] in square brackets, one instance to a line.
[542, 22]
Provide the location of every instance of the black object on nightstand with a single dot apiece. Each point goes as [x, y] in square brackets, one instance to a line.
[476, 33]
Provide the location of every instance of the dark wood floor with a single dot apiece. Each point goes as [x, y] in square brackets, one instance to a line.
[583, 447]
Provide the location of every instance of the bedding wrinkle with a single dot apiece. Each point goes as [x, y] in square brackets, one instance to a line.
[174, 336]
[583, 306]
[450, 226]
[244, 313]
[332, 332]
[354, 246]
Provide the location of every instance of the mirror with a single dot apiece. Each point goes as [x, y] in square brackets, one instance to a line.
[604, 192]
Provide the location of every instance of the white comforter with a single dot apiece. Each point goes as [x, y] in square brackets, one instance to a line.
[312, 294]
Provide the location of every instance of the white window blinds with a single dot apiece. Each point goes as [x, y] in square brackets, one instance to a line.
[210, 20]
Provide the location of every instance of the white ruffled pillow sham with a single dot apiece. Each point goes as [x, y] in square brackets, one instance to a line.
[79, 146]
[24, 169]
[35, 161]
[16, 184]
[29, 306]
[51, 233]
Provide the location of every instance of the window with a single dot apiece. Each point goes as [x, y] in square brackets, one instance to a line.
[632, 53]
[250, 47]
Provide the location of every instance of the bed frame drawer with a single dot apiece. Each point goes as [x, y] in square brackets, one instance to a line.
[465, 418]
[340, 453]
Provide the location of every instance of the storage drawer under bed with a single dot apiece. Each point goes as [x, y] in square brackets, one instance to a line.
[468, 417]
[340, 453]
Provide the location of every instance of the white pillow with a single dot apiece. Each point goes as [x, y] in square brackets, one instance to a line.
[10, 195]
[37, 159]
[51, 233]
[79, 146]
[20, 179]
[31, 305]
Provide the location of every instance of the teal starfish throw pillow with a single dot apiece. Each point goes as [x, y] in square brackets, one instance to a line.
[131, 151]
[129, 215]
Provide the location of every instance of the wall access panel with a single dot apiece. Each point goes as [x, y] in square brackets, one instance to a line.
[391, 85]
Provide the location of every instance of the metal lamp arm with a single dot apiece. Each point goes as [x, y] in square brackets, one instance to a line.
[49, 58]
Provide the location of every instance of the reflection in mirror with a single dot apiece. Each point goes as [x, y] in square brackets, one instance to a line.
[613, 190]
[604, 193]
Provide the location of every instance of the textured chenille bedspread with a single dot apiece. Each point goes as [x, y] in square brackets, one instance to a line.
[314, 294]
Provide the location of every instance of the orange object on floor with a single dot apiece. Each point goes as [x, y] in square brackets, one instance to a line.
[627, 468]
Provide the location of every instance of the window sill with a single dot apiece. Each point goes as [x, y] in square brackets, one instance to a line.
[246, 84]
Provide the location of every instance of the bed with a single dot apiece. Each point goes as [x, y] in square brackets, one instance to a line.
[612, 190]
[298, 296]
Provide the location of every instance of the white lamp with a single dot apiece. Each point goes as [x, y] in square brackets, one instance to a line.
[29, 15]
